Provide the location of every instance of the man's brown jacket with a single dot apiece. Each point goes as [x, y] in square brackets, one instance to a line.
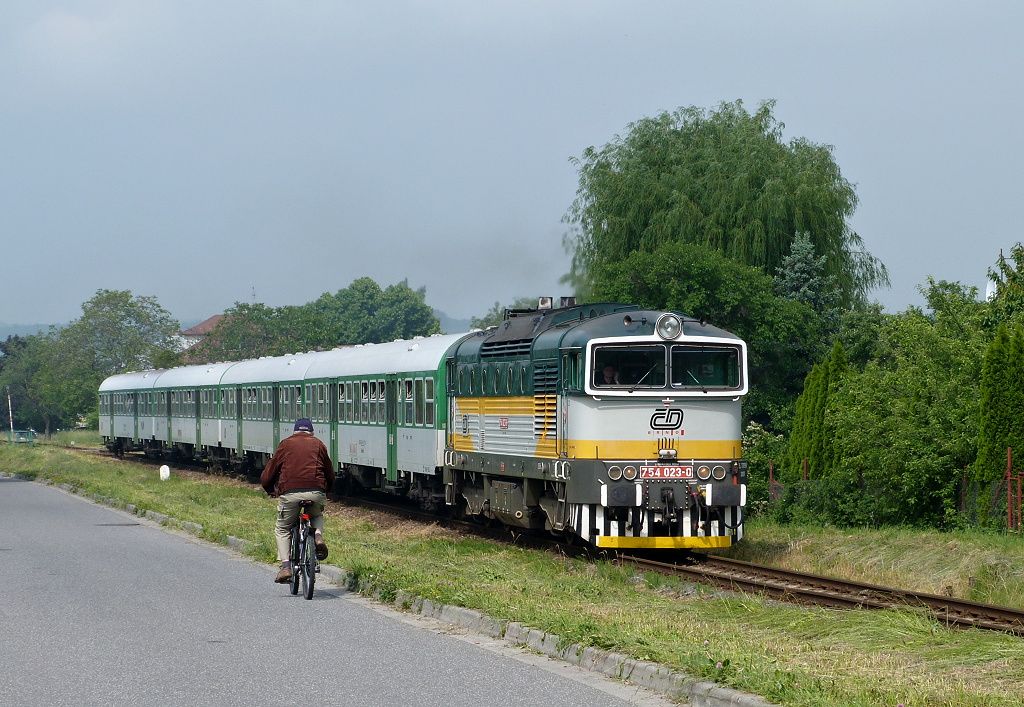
[301, 463]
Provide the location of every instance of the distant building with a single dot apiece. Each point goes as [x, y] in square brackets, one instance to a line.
[192, 336]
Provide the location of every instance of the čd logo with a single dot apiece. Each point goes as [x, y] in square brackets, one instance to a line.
[670, 419]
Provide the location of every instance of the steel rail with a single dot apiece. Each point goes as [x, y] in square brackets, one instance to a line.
[829, 591]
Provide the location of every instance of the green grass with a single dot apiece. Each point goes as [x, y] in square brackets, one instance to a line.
[72, 438]
[793, 655]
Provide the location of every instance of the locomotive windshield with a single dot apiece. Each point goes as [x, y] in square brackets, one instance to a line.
[705, 367]
[619, 366]
[680, 366]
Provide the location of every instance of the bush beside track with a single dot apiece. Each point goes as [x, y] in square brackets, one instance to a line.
[793, 655]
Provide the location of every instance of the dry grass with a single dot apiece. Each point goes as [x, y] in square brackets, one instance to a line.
[976, 565]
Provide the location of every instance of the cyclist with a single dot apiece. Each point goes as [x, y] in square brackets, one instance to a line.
[299, 471]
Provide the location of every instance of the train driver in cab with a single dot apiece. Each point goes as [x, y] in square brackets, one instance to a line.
[609, 376]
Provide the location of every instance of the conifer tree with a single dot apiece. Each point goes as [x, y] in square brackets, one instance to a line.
[809, 439]
[995, 428]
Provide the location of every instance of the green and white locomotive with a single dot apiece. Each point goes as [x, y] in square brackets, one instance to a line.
[607, 422]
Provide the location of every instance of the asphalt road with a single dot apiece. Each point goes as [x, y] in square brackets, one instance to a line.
[100, 607]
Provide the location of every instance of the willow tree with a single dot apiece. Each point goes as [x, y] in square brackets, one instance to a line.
[724, 179]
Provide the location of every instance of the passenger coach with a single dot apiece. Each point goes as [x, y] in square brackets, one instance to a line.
[610, 423]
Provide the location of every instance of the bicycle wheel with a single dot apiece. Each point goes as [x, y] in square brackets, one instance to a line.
[293, 586]
[308, 565]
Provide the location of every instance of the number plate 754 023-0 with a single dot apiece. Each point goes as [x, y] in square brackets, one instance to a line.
[666, 472]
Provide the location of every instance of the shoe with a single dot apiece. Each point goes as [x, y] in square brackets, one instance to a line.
[321, 550]
[284, 575]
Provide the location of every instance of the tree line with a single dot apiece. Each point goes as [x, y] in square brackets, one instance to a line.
[53, 377]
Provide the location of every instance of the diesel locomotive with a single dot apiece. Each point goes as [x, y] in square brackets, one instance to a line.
[610, 423]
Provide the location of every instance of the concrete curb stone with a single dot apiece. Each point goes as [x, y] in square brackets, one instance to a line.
[659, 678]
[239, 544]
[156, 517]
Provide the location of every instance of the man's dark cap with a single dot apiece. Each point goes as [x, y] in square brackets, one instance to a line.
[303, 424]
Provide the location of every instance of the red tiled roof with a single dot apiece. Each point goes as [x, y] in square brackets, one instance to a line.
[203, 328]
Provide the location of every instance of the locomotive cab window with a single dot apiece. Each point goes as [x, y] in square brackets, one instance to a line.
[704, 367]
[633, 366]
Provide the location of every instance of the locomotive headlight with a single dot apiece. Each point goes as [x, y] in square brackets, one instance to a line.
[718, 471]
[703, 472]
[629, 472]
[669, 326]
[614, 473]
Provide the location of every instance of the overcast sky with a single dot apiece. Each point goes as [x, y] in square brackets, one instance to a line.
[201, 151]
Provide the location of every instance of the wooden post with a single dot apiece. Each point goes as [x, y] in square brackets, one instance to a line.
[1009, 489]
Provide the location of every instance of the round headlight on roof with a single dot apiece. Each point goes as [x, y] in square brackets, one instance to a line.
[669, 326]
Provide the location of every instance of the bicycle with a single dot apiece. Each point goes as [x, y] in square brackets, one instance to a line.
[305, 566]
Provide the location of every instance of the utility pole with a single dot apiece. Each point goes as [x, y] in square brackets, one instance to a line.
[10, 412]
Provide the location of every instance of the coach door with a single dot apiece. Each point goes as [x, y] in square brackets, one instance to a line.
[334, 411]
[391, 420]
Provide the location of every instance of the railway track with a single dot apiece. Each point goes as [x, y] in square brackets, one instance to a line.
[828, 591]
[787, 585]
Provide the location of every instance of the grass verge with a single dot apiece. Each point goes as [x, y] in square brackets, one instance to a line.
[793, 655]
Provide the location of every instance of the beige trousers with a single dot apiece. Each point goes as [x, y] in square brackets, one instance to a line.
[288, 516]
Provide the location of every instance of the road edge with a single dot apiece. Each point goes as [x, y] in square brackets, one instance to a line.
[647, 674]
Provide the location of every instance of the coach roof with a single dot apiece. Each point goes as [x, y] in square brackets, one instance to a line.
[130, 381]
[402, 356]
[270, 369]
[206, 374]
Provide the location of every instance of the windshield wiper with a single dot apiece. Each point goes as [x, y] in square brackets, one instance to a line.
[649, 371]
[699, 385]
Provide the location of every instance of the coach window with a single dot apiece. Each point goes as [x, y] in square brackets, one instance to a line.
[373, 401]
[430, 401]
[382, 413]
[420, 403]
[364, 388]
[405, 395]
